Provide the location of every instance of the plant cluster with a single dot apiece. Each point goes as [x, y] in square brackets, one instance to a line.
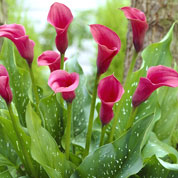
[127, 132]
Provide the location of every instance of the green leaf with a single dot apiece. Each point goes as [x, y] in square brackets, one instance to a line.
[121, 158]
[9, 131]
[169, 113]
[159, 53]
[5, 174]
[169, 166]
[19, 79]
[21, 144]
[154, 168]
[2, 103]
[8, 156]
[161, 156]
[81, 105]
[44, 149]
[52, 116]
[158, 148]
[174, 139]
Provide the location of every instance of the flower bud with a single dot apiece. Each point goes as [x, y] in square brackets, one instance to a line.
[60, 17]
[139, 25]
[110, 91]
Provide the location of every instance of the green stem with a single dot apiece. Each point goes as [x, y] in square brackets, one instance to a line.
[102, 134]
[27, 159]
[61, 100]
[131, 118]
[62, 61]
[131, 67]
[90, 124]
[115, 121]
[68, 130]
[62, 67]
[34, 87]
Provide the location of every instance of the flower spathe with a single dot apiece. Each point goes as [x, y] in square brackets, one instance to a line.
[51, 59]
[139, 25]
[60, 17]
[110, 91]
[109, 45]
[5, 90]
[63, 82]
[157, 76]
[16, 33]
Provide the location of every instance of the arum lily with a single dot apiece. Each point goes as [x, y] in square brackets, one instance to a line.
[157, 76]
[60, 17]
[51, 59]
[65, 83]
[109, 45]
[110, 91]
[16, 33]
[139, 25]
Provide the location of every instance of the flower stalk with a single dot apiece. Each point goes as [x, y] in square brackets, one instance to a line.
[34, 87]
[61, 68]
[62, 61]
[68, 130]
[103, 131]
[131, 67]
[115, 121]
[90, 124]
[131, 118]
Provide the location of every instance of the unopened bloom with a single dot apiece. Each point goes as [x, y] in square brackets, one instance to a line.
[51, 59]
[16, 33]
[65, 83]
[157, 76]
[139, 25]
[110, 91]
[60, 17]
[109, 45]
[5, 90]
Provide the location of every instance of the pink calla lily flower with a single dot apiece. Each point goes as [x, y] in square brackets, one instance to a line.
[51, 59]
[139, 25]
[157, 76]
[62, 82]
[16, 33]
[5, 90]
[109, 45]
[60, 17]
[110, 91]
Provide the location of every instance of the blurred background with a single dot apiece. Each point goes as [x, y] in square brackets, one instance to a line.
[33, 15]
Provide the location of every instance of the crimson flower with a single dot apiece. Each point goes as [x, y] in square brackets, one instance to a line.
[139, 25]
[60, 17]
[51, 59]
[65, 83]
[109, 45]
[16, 33]
[110, 91]
[5, 90]
[157, 76]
